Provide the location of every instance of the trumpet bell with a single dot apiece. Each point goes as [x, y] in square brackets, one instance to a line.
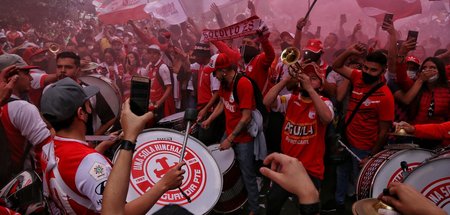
[54, 48]
[290, 55]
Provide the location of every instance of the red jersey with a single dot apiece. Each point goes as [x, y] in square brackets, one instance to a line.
[303, 135]
[206, 84]
[233, 110]
[434, 131]
[258, 68]
[362, 132]
[441, 98]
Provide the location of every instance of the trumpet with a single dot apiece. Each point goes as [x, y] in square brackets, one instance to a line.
[291, 56]
[54, 48]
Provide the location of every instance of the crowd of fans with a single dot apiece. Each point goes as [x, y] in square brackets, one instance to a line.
[350, 86]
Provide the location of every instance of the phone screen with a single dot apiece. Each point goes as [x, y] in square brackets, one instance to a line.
[413, 34]
[388, 17]
[140, 95]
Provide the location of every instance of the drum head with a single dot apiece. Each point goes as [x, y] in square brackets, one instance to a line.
[157, 150]
[109, 91]
[224, 159]
[172, 118]
[432, 179]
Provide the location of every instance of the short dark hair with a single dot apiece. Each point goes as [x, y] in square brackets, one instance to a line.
[377, 57]
[59, 125]
[71, 55]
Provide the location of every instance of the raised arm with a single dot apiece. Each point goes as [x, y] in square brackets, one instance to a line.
[338, 64]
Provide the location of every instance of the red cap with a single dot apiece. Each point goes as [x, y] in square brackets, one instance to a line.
[314, 69]
[219, 61]
[413, 59]
[31, 52]
[314, 45]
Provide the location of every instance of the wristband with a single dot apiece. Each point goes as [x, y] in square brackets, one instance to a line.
[309, 209]
[127, 145]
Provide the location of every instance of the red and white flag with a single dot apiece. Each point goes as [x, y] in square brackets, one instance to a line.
[170, 11]
[120, 11]
[400, 8]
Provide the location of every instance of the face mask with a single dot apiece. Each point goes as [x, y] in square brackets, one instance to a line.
[368, 79]
[411, 74]
[304, 93]
[248, 53]
[434, 78]
[90, 47]
[308, 55]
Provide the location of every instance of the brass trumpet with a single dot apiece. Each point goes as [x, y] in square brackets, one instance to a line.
[54, 48]
[291, 57]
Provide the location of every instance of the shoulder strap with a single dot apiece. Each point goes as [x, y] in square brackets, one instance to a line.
[372, 90]
[236, 81]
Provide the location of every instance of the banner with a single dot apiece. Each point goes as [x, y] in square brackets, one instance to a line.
[204, 6]
[240, 29]
[170, 11]
[120, 11]
[400, 8]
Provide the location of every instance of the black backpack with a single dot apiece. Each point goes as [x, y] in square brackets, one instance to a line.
[257, 93]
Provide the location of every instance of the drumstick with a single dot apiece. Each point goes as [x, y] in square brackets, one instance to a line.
[349, 151]
[310, 8]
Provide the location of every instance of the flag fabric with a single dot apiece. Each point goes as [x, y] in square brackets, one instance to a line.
[120, 11]
[170, 11]
[400, 8]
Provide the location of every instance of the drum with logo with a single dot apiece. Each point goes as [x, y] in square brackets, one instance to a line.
[157, 150]
[24, 194]
[108, 102]
[176, 122]
[432, 179]
[234, 195]
[385, 168]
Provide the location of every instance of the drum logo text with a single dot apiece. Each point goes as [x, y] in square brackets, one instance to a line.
[438, 192]
[153, 159]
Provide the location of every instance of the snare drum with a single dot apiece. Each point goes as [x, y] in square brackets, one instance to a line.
[234, 194]
[432, 179]
[108, 102]
[384, 168]
[157, 150]
[176, 122]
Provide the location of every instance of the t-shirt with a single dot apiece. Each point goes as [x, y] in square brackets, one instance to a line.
[233, 110]
[362, 132]
[303, 134]
[75, 175]
[206, 84]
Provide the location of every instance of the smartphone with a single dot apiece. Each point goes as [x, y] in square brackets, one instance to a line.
[388, 17]
[140, 95]
[413, 35]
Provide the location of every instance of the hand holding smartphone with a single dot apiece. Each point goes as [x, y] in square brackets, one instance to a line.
[412, 35]
[140, 95]
[388, 19]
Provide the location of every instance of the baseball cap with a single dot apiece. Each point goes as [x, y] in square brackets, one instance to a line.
[314, 45]
[13, 59]
[31, 52]
[202, 49]
[116, 39]
[61, 100]
[286, 34]
[2, 35]
[218, 61]
[413, 59]
[154, 47]
[313, 68]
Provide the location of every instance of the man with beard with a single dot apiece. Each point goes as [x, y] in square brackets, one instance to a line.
[366, 132]
[38, 57]
[237, 117]
[68, 65]
[307, 115]
[21, 123]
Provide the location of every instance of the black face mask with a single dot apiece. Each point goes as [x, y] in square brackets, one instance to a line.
[304, 93]
[248, 53]
[368, 79]
[309, 55]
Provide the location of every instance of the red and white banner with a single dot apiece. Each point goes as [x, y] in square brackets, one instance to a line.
[170, 11]
[240, 29]
[400, 8]
[120, 11]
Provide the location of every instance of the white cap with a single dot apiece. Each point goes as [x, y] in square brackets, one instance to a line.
[154, 46]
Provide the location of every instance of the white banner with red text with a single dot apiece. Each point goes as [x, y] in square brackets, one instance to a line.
[171, 11]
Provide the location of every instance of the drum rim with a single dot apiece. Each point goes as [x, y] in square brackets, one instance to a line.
[174, 120]
[110, 83]
[202, 145]
[426, 162]
[232, 163]
[382, 164]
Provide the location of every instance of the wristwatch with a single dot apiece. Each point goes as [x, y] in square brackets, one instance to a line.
[309, 209]
[127, 145]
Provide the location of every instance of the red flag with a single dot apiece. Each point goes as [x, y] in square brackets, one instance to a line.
[120, 11]
[400, 8]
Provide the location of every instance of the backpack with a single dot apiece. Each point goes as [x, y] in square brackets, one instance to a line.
[257, 93]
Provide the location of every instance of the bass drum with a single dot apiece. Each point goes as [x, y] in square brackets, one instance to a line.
[234, 194]
[432, 179]
[24, 194]
[108, 102]
[385, 168]
[157, 150]
[176, 122]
